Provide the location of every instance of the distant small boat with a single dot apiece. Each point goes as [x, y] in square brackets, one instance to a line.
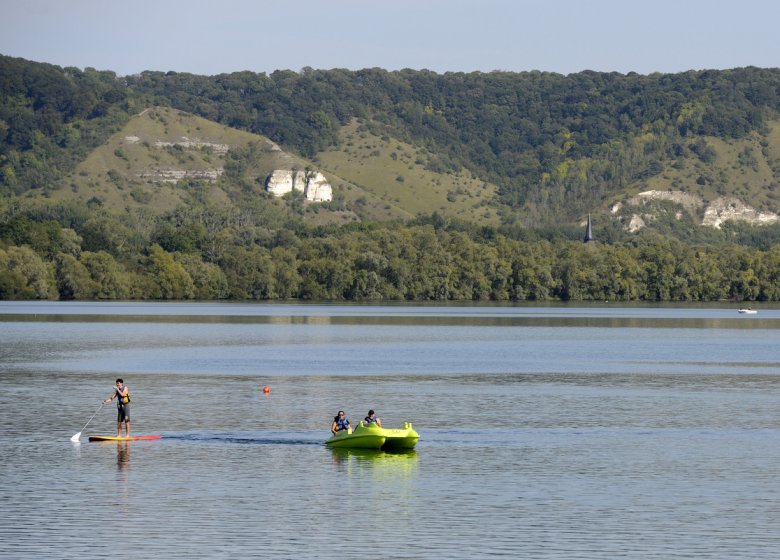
[748, 311]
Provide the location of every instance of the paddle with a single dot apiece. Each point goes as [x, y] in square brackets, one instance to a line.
[78, 435]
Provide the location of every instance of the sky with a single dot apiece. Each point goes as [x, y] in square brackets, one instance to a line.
[565, 36]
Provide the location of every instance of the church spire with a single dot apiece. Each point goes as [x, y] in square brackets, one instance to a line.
[589, 232]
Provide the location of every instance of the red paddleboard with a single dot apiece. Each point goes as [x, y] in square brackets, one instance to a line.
[114, 438]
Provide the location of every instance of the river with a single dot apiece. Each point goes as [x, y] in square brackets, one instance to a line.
[560, 432]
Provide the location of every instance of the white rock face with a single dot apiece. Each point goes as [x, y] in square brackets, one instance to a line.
[299, 182]
[314, 186]
[176, 175]
[720, 210]
[689, 201]
[194, 143]
[636, 223]
[724, 209]
[283, 181]
[318, 189]
[280, 182]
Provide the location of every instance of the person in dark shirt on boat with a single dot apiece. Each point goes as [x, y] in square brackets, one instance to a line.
[340, 422]
[373, 419]
[122, 396]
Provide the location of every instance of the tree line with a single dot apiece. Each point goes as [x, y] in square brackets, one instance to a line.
[66, 252]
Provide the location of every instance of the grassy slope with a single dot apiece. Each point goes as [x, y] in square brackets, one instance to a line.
[751, 177]
[394, 173]
[364, 174]
[380, 177]
[131, 160]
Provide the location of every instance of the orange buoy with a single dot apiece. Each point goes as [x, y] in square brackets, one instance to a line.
[266, 389]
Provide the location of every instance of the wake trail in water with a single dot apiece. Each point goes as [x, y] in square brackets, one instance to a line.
[245, 439]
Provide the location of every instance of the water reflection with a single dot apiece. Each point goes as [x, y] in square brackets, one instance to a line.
[383, 463]
[122, 455]
[120, 491]
[622, 315]
[616, 322]
[390, 481]
[342, 454]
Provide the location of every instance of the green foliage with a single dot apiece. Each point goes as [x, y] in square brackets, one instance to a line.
[428, 259]
[249, 272]
[73, 279]
[24, 275]
[170, 278]
[50, 118]
[47, 237]
[555, 146]
[111, 281]
[209, 281]
[581, 137]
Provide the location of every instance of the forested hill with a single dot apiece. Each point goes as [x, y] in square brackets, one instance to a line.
[556, 146]
[473, 174]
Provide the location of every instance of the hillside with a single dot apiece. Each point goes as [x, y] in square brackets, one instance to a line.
[711, 180]
[163, 157]
[434, 187]
[153, 159]
[747, 168]
[395, 173]
[528, 149]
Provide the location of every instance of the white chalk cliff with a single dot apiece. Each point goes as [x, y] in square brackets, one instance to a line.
[318, 189]
[715, 212]
[282, 181]
[313, 185]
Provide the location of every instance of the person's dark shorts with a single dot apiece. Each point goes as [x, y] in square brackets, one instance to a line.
[123, 413]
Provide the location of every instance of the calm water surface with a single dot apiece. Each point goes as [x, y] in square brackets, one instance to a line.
[546, 432]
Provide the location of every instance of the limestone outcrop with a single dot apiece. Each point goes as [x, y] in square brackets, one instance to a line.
[176, 175]
[318, 189]
[313, 184]
[727, 208]
[193, 144]
[715, 213]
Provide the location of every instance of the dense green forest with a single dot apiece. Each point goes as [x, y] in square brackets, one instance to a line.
[556, 146]
[57, 251]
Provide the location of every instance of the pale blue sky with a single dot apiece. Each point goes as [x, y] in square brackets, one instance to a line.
[565, 36]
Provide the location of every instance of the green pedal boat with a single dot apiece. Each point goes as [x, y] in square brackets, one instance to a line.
[372, 436]
[398, 439]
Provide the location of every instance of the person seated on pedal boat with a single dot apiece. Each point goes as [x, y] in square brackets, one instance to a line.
[340, 423]
[373, 419]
